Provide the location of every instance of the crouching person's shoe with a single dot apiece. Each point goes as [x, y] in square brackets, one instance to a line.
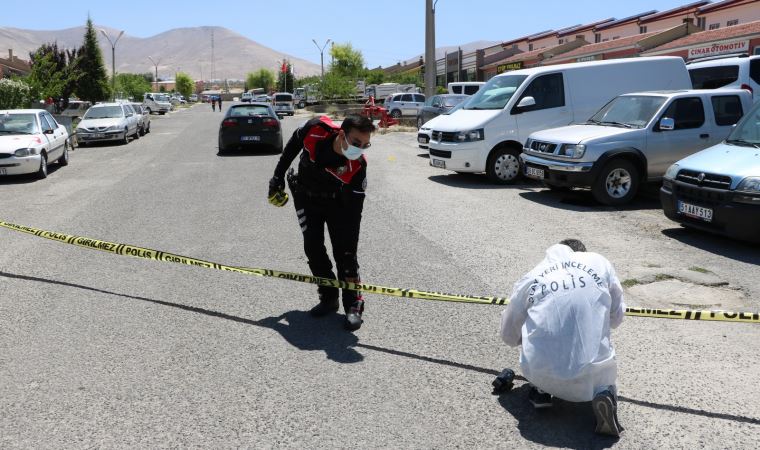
[539, 399]
[324, 307]
[354, 315]
[605, 410]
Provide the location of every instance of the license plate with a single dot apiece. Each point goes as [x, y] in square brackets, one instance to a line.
[422, 139]
[97, 135]
[250, 138]
[534, 172]
[3, 171]
[697, 212]
[438, 163]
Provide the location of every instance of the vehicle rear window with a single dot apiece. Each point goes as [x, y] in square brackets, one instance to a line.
[754, 70]
[250, 111]
[713, 77]
[283, 98]
[469, 90]
[419, 98]
[687, 113]
[727, 109]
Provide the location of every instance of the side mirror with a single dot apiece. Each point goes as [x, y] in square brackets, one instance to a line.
[667, 124]
[526, 102]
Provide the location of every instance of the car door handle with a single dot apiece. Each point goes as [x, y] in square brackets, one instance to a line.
[704, 135]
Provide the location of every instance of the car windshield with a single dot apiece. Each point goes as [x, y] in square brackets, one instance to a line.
[104, 112]
[453, 101]
[496, 93]
[161, 97]
[18, 124]
[631, 111]
[249, 111]
[747, 131]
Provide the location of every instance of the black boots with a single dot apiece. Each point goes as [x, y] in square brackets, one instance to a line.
[354, 315]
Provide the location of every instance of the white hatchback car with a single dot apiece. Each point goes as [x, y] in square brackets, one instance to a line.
[29, 138]
[731, 72]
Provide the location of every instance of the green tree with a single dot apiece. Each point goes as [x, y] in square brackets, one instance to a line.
[338, 87]
[54, 72]
[132, 85]
[14, 94]
[347, 61]
[93, 84]
[262, 78]
[184, 84]
[374, 77]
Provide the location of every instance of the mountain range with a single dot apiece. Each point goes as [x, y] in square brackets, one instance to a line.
[180, 49]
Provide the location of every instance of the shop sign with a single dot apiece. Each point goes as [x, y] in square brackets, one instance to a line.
[719, 48]
[509, 66]
[586, 58]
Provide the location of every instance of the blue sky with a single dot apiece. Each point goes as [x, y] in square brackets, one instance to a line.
[386, 31]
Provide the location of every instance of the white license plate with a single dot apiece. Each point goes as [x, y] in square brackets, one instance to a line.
[250, 138]
[438, 163]
[697, 212]
[97, 135]
[422, 140]
[3, 171]
[534, 172]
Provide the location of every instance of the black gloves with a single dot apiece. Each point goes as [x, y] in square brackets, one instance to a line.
[277, 195]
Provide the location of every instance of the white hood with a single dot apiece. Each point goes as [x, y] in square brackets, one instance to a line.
[9, 144]
[576, 134]
[465, 119]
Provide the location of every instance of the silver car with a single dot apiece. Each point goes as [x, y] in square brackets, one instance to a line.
[143, 118]
[108, 122]
[408, 105]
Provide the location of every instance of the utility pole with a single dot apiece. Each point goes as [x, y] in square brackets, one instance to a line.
[322, 59]
[213, 63]
[113, 60]
[430, 62]
[156, 65]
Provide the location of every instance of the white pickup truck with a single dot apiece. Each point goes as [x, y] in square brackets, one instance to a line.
[632, 139]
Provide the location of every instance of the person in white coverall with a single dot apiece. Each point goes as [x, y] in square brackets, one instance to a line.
[561, 313]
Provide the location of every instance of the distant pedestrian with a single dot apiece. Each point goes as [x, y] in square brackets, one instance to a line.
[220, 103]
[213, 102]
[561, 313]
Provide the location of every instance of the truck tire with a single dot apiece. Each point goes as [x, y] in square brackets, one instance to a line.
[503, 165]
[617, 183]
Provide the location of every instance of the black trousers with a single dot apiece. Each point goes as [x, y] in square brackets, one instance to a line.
[342, 215]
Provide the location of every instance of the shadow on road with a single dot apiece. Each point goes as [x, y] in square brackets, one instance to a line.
[581, 200]
[478, 181]
[565, 424]
[716, 244]
[29, 177]
[301, 330]
[250, 151]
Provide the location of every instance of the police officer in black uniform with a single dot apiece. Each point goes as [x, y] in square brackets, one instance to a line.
[328, 190]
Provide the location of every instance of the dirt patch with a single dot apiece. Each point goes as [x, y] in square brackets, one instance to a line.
[677, 294]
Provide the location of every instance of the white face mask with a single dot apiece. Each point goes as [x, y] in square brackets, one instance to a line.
[352, 152]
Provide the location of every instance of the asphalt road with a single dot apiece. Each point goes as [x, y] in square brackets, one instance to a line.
[104, 351]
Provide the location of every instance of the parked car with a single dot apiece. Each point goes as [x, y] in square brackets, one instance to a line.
[193, 98]
[426, 130]
[143, 118]
[284, 103]
[465, 87]
[487, 134]
[156, 103]
[247, 97]
[250, 125]
[108, 122]
[76, 109]
[263, 98]
[437, 105]
[400, 105]
[718, 189]
[29, 139]
[631, 140]
[733, 72]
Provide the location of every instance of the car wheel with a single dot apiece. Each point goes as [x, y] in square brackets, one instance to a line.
[149, 111]
[137, 133]
[396, 114]
[141, 131]
[503, 165]
[64, 159]
[617, 183]
[125, 140]
[161, 113]
[42, 172]
[222, 148]
[419, 122]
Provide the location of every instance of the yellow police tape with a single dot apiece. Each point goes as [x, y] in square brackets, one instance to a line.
[147, 253]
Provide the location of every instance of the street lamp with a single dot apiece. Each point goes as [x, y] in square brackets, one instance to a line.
[113, 59]
[322, 58]
[156, 65]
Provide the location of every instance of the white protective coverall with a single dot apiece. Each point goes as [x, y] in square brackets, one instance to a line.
[561, 312]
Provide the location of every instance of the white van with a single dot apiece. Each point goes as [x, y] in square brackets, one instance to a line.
[465, 87]
[488, 132]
